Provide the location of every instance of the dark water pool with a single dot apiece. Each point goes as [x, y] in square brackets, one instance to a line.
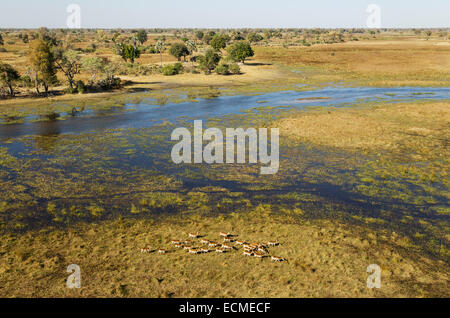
[145, 114]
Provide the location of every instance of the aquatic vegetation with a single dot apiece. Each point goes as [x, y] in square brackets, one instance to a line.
[61, 180]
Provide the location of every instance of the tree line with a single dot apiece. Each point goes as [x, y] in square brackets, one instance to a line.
[47, 55]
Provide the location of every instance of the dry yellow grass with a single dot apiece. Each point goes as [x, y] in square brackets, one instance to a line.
[375, 62]
[392, 127]
[324, 260]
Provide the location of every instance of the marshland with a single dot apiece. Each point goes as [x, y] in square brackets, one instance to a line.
[86, 175]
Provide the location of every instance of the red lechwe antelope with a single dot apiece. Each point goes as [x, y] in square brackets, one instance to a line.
[272, 243]
[227, 246]
[212, 244]
[239, 242]
[175, 242]
[259, 254]
[145, 250]
[249, 247]
[278, 259]
[225, 234]
[194, 235]
[248, 253]
[262, 249]
[161, 251]
[194, 251]
[204, 241]
[220, 250]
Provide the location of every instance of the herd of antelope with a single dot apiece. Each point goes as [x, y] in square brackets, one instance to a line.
[258, 250]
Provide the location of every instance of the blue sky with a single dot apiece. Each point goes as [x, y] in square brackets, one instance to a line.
[224, 13]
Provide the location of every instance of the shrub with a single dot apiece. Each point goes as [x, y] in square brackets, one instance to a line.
[70, 90]
[91, 48]
[222, 69]
[81, 87]
[26, 81]
[109, 83]
[151, 50]
[172, 69]
[234, 69]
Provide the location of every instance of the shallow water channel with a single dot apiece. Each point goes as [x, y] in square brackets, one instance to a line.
[97, 164]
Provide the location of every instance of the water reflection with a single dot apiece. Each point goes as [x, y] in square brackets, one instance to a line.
[47, 136]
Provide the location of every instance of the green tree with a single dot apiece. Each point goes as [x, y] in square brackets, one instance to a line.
[8, 75]
[47, 36]
[239, 51]
[254, 37]
[115, 37]
[209, 61]
[199, 35]
[219, 41]
[268, 34]
[127, 52]
[93, 65]
[192, 47]
[160, 47]
[179, 50]
[142, 36]
[69, 63]
[132, 53]
[207, 38]
[237, 36]
[43, 64]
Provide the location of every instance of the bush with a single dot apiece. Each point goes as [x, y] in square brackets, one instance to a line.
[234, 69]
[151, 50]
[109, 83]
[81, 87]
[25, 81]
[91, 48]
[70, 90]
[222, 69]
[172, 69]
[209, 61]
[4, 93]
[135, 69]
